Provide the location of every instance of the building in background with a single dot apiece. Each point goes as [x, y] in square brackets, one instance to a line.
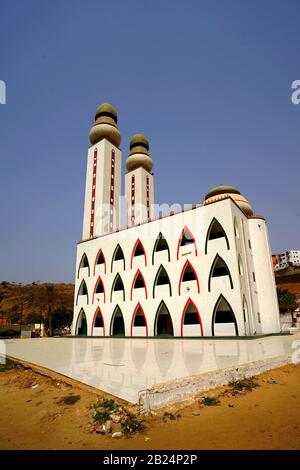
[285, 259]
[202, 271]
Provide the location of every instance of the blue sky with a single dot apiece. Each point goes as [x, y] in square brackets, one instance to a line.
[208, 82]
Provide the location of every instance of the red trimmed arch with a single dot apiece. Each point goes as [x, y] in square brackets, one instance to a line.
[188, 263]
[188, 302]
[133, 251]
[133, 317]
[191, 236]
[95, 263]
[94, 319]
[97, 282]
[133, 282]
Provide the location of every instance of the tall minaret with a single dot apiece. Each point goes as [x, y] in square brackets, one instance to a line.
[139, 181]
[103, 176]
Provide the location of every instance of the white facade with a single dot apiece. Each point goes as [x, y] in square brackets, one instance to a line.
[221, 283]
[287, 258]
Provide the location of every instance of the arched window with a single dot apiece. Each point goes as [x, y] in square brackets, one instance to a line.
[118, 255]
[236, 228]
[162, 279]
[160, 245]
[219, 269]
[186, 238]
[99, 289]
[245, 310]
[138, 283]
[81, 324]
[100, 261]
[138, 250]
[98, 327]
[191, 324]
[82, 291]
[84, 263]
[117, 325]
[188, 273]
[240, 265]
[223, 320]
[163, 325]
[117, 286]
[215, 231]
[139, 326]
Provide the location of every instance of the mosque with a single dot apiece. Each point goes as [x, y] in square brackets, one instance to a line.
[205, 270]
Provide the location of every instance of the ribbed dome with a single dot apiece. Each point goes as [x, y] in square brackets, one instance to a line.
[139, 155]
[105, 126]
[224, 191]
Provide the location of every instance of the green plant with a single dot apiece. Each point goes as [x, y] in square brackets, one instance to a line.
[132, 425]
[171, 416]
[210, 401]
[245, 384]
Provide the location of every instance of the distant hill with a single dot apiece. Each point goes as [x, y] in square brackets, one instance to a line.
[289, 278]
[34, 297]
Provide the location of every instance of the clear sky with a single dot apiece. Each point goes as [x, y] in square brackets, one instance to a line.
[208, 82]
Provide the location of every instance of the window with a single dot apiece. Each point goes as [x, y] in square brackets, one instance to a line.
[188, 273]
[161, 244]
[138, 283]
[162, 278]
[118, 255]
[219, 269]
[138, 250]
[186, 238]
[215, 231]
[84, 263]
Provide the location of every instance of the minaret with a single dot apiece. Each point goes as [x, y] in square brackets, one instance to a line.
[139, 181]
[103, 176]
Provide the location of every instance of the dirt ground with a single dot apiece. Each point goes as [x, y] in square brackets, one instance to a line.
[34, 416]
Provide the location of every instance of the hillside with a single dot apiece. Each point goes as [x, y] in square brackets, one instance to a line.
[34, 298]
[289, 278]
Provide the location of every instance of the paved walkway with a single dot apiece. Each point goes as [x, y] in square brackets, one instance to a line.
[123, 367]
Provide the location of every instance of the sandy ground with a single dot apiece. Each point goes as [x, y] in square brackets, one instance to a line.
[268, 417]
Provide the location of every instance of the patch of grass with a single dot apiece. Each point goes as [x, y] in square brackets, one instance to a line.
[244, 385]
[171, 416]
[103, 408]
[69, 400]
[7, 366]
[210, 401]
[132, 425]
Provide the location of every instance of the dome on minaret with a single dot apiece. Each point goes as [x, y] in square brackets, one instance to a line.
[139, 156]
[225, 191]
[105, 126]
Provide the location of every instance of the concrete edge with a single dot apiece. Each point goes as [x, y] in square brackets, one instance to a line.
[167, 393]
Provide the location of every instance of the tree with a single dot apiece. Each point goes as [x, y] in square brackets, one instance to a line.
[286, 300]
[50, 296]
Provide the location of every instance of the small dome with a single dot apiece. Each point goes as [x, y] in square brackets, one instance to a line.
[105, 126]
[224, 191]
[139, 155]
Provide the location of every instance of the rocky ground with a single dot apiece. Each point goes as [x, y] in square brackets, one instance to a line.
[39, 411]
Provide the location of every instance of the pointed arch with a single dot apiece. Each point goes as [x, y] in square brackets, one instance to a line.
[240, 266]
[140, 281]
[245, 310]
[186, 238]
[138, 250]
[160, 244]
[163, 324]
[138, 312]
[84, 263]
[188, 273]
[99, 289]
[98, 316]
[117, 324]
[161, 278]
[191, 309]
[118, 254]
[224, 314]
[218, 269]
[117, 285]
[81, 324]
[215, 230]
[83, 290]
[236, 228]
[100, 259]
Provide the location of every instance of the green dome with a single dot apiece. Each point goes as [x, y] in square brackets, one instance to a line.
[106, 109]
[105, 126]
[222, 189]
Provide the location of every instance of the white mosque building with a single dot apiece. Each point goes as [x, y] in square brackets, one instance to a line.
[202, 271]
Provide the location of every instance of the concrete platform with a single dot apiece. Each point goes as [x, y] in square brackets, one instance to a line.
[134, 368]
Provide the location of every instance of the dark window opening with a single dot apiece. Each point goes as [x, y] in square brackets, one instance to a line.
[139, 282]
[189, 274]
[191, 318]
[162, 245]
[118, 327]
[139, 251]
[220, 271]
[224, 316]
[119, 254]
[139, 319]
[186, 239]
[118, 284]
[98, 321]
[100, 259]
[99, 288]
